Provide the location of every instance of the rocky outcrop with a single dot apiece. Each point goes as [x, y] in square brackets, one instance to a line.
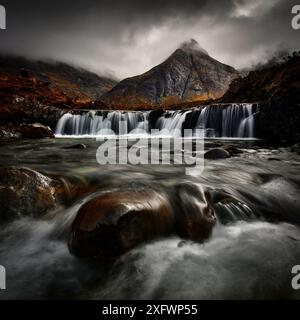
[111, 224]
[260, 85]
[36, 131]
[277, 89]
[189, 74]
[216, 153]
[196, 217]
[25, 192]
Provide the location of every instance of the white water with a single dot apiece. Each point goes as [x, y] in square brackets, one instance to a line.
[231, 121]
[240, 261]
[247, 256]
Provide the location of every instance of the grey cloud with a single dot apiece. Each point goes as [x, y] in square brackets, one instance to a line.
[129, 37]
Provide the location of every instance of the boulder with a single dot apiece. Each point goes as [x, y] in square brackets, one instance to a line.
[36, 131]
[195, 216]
[70, 188]
[216, 153]
[24, 192]
[233, 151]
[76, 146]
[113, 223]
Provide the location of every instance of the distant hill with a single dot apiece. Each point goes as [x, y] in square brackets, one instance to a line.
[72, 84]
[189, 74]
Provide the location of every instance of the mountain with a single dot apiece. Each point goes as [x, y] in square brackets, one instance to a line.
[72, 84]
[189, 74]
[36, 91]
[275, 80]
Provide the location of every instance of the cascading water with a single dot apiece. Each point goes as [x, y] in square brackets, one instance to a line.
[232, 121]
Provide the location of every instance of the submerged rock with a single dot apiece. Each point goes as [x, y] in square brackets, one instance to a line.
[113, 223]
[76, 146]
[195, 216]
[216, 153]
[24, 192]
[36, 131]
[233, 151]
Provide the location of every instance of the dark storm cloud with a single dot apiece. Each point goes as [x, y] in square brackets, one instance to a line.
[129, 37]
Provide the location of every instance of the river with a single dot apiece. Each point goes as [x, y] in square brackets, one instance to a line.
[250, 253]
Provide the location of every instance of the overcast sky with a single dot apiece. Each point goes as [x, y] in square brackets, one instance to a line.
[128, 37]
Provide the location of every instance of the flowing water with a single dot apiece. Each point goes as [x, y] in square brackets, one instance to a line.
[250, 254]
[233, 120]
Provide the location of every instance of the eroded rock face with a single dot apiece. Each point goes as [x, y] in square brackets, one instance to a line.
[36, 131]
[196, 217]
[113, 223]
[24, 192]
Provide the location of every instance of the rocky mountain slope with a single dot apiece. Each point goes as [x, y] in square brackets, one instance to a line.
[189, 74]
[70, 83]
[280, 79]
[34, 91]
[277, 88]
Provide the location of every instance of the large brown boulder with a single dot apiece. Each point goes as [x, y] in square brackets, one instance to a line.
[24, 192]
[36, 131]
[113, 223]
[196, 217]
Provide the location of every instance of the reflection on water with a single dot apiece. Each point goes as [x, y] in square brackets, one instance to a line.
[250, 255]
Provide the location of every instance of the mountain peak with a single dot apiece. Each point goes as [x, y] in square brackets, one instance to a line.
[191, 46]
[189, 74]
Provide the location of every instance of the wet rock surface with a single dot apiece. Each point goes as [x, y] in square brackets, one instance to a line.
[195, 216]
[216, 153]
[232, 150]
[36, 131]
[113, 223]
[28, 193]
[76, 146]
[24, 192]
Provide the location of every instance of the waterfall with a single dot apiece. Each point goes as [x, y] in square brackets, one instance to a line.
[218, 120]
